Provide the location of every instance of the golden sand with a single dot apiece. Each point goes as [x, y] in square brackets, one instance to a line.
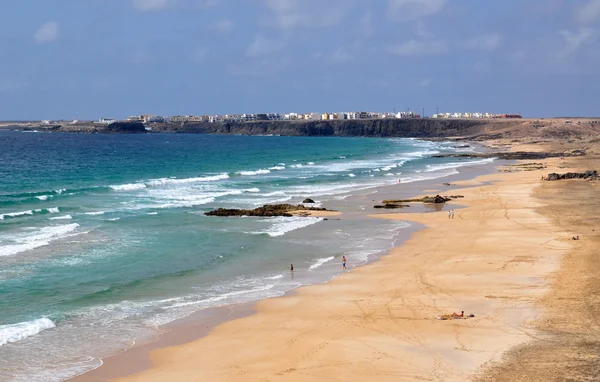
[496, 259]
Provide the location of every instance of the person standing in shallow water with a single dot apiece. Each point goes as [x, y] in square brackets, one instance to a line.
[292, 267]
[344, 262]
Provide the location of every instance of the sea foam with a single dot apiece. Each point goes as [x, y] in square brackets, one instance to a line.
[128, 187]
[257, 172]
[16, 332]
[52, 210]
[38, 239]
[283, 225]
[320, 262]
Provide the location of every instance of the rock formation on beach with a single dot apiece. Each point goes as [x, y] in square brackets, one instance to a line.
[589, 174]
[266, 210]
[438, 199]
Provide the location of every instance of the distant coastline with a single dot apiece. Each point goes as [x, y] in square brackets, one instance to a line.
[388, 127]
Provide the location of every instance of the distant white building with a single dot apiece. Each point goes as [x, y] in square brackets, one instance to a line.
[106, 121]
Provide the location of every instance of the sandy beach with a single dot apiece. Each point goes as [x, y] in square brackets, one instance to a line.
[507, 257]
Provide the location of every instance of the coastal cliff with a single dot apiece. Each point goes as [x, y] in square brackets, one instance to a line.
[346, 128]
[428, 128]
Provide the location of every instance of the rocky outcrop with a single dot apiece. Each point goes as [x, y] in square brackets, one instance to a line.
[391, 204]
[436, 199]
[266, 210]
[308, 201]
[126, 127]
[590, 174]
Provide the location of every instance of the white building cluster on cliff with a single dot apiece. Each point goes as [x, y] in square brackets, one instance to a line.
[353, 115]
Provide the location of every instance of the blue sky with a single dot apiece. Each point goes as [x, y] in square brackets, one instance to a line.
[115, 58]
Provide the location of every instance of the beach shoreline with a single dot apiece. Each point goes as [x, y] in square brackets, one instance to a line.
[504, 316]
[136, 358]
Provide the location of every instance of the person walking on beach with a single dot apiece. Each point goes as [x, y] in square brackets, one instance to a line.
[344, 262]
[449, 213]
[452, 213]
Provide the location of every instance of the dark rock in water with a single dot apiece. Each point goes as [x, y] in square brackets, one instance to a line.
[446, 184]
[308, 200]
[589, 174]
[266, 210]
[126, 127]
[390, 206]
[435, 199]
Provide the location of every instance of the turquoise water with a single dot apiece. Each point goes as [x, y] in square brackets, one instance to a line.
[103, 237]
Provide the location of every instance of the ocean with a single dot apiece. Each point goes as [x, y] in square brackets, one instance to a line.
[103, 238]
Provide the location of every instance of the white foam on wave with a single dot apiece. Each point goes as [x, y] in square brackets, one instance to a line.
[95, 213]
[277, 168]
[166, 181]
[432, 175]
[52, 210]
[65, 217]
[128, 187]
[227, 297]
[43, 197]
[15, 214]
[38, 239]
[274, 277]
[453, 165]
[113, 219]
[152, 213]
[319, 262]
[253, 190]
[283, 225]
[16, 332]
[257, 172]
[351, 175]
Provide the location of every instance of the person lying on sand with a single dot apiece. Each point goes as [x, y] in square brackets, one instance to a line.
[454, 316]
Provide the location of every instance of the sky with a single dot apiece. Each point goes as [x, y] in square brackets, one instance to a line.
[61, 59]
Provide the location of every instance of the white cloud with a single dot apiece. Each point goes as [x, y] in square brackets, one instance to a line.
[48, 32]
[151, 5]
[157, 5]
[422, 30]
[200, 55]
[574, 40]
[223, 27]
[366, 28]
[419, 48]
[588, 13]
[338, 56]
[290, 14]
[487, 42]
[408, 10]
[262, 46]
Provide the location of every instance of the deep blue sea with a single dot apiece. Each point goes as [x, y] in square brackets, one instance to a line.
[103, 238]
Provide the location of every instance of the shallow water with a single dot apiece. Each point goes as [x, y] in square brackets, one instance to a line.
[103, 237]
